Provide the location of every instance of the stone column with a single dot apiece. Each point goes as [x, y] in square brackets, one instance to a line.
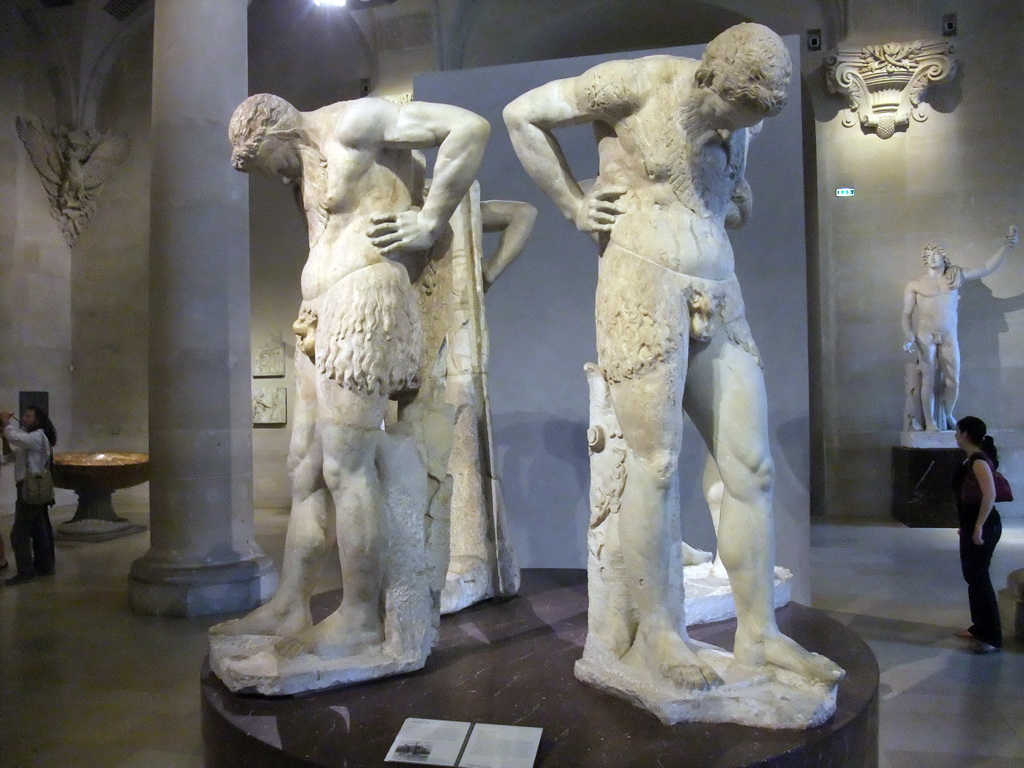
[203, 558]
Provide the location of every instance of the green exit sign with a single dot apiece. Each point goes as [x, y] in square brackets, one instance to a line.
[844, 192]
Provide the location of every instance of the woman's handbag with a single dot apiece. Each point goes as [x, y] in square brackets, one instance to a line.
[37, 488]
[970, 491]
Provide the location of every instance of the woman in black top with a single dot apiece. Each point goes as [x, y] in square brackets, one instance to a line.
[980, 529]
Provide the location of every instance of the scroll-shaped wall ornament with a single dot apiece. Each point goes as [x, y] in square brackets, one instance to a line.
[885, 84]
[73, 164]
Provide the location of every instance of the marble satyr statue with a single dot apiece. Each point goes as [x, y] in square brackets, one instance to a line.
[671, 335]
[372, 323]
[482, 564]
[930, 334]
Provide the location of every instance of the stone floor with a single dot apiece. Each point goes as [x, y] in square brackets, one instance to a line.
[84, 683]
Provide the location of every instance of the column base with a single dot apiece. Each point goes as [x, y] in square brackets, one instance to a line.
[161, 590]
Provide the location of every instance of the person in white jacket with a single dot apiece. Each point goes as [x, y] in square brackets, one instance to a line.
[32, 534]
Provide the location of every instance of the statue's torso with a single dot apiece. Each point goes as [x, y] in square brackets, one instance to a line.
[936, 305]
[678, 186]
[359, 183]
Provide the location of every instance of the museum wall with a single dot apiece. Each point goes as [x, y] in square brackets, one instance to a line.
[541, 319]
[956, 178]
[477, 33]
[82, 327]
[35, 263]
[110, 280]
[74, 323]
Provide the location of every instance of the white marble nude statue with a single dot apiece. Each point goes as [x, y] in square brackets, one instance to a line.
[361, 339]
[929, 324]
[672, 336]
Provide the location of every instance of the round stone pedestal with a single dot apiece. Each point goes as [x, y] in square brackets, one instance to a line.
[511, 663]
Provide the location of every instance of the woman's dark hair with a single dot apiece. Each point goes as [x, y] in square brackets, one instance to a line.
[977, 433]
[44, 423]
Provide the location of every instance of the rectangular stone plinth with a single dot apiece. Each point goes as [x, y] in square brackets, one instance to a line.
[922, 491]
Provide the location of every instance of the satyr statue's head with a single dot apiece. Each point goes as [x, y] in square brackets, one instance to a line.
[256, 121]
[747, 65]
[933, 254]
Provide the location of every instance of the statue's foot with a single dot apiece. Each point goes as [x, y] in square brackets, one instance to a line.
[694, 556]
[781, 651]
[275, 618]
[334, 637]
[667, 654]
[951, 422]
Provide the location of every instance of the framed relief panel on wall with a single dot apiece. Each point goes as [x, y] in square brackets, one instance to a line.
[269, 404]
[268, 360]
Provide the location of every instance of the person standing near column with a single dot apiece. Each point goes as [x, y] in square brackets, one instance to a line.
[980, 529]
[32, 534]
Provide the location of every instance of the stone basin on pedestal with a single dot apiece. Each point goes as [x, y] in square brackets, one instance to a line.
[95, 477]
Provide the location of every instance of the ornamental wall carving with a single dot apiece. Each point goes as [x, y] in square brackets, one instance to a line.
[885, 84]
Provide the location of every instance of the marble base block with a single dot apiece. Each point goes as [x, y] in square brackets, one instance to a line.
[512, 662]
[247, 664]
[944, 439]
[775, 699]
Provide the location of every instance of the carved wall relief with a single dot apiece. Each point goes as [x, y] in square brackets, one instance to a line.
[73, 164]
[269, 404]
[885, 84]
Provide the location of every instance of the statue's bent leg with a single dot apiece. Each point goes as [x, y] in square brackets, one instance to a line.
[725, 398]
[648, 408]
[349, 432]
[310, 526]
[949, 364]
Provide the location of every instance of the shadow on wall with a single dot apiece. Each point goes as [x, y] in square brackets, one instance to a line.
[946, 97]
[982, 320]
[545, 476]
[790, 450]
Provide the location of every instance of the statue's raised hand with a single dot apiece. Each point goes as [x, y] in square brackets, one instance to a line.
[405, 231]
[599, 209]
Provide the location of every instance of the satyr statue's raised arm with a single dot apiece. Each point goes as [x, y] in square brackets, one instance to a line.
[530, 119]
[460, 137]
[514, 220]
[996, 259]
